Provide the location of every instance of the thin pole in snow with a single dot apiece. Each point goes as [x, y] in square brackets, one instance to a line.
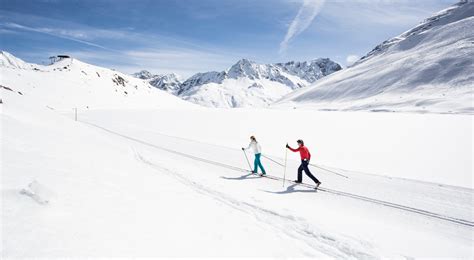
[284, 171]
[333, 172]
[314, 165]
[75, 114]
[273, 160]
[246, 158]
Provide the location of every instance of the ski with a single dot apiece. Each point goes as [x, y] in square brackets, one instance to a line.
[315, 187]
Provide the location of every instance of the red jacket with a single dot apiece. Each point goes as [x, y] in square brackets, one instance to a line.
[304, 152]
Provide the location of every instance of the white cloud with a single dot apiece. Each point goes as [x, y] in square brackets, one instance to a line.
[306, 14]
[182, 61]
[60, 33]
[159, 54]
[350, 59]
[361, 13]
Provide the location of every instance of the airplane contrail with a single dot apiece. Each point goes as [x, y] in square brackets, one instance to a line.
[306, 14]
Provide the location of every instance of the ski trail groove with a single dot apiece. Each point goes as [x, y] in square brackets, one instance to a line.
[331, 191]
[384, 203]
[296, 228]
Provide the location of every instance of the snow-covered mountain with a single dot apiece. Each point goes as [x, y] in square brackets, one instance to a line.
[167, 82]
[429, 68]
[7, 60]
[70, 83]
[247, 83]
[144, 74]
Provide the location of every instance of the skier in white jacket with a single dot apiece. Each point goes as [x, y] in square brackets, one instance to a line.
[257, 150]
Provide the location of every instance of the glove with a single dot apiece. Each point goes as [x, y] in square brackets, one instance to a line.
[243, 149]
[287, 146]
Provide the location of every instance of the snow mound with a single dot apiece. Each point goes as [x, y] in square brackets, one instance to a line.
[38, 192]
[426, 69]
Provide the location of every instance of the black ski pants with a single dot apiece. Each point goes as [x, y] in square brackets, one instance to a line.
[304, 167]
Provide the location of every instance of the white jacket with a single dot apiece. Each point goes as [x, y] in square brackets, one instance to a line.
[256, 148]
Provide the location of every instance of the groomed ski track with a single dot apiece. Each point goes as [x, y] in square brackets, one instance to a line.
[327, 190]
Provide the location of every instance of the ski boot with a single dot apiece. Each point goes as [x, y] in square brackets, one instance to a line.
[317, 185]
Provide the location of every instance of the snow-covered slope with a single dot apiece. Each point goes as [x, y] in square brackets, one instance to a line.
[167, 82]
[7, 60]
[429, 68]
[140, 183]
[110, 185]
[70, 83]
[247, 83]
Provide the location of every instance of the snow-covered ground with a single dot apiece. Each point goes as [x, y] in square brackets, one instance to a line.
[143, 173]
[116, 183]
[428, 69]
[428, 147]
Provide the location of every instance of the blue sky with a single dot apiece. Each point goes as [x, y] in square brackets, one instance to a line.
[189, 36]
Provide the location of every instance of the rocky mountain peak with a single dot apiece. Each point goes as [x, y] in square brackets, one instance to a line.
[271, 81]
[244, 68]
[144, 74]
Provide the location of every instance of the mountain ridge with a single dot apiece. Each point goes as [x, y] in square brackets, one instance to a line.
[428, 68]
[258, 84]
[71, 83]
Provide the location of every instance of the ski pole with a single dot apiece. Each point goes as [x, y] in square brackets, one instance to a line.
[284, 171]
[273, 160]
[333, 172]
[314, 165]
[246, 158]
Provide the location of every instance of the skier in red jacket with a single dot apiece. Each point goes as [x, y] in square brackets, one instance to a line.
[305, 157]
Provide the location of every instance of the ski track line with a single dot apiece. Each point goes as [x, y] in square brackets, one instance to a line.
[381, 202]
[295, 228]
[331, 191]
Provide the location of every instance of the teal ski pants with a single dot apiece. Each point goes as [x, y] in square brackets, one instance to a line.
[257, 163]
